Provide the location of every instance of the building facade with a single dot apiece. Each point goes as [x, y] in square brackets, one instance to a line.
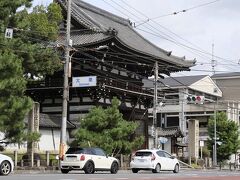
[178, 109]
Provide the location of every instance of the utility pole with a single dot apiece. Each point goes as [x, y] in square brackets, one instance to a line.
[213, 62]
[215, 136]
[155, 101]
[63, 137]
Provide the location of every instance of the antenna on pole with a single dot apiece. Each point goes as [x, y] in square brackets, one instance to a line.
[213, 62]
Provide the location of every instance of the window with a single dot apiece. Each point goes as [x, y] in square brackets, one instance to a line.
[167, 155]
[203, 124]
[143, 153]
[160, 154]
[75, 151]
[172, 121]
[99, 152]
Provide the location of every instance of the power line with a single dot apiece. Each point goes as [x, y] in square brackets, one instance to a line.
[184, 10]
[202, 51]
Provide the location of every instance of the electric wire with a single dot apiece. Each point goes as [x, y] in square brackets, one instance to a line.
[183, 11]
[202, 51]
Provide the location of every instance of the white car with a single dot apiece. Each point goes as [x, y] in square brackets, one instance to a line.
[89, 160]
[155, 160]
[6, 165]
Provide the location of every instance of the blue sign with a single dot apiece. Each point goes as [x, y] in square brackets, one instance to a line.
[85, 81]
[163, 140]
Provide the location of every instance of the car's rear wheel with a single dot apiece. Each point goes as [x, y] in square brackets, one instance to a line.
[5, 168]
[176, 168]
[114, 168]
[135, 170]
[64, 171]
[89, 168]
[157, 169]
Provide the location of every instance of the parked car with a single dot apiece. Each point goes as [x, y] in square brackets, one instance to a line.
[89, 160]
[6, 165]
[155, 160]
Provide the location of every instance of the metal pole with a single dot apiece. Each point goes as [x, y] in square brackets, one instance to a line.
[215, 138]
[65, 85]
[155, 137]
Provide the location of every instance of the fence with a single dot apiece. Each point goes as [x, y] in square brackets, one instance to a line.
[48, 159]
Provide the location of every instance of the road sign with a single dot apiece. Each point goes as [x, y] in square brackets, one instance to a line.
[201, 143]
[163, 140]
[9, 33]
[85, 81]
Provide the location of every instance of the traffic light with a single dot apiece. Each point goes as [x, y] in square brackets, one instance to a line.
[195, 99]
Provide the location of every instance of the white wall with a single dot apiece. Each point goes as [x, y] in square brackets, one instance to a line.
[48, 141]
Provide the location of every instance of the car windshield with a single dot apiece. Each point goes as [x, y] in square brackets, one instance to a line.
[143, 153]
[75, 151]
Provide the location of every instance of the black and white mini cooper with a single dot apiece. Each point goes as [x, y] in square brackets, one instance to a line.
[89, 160]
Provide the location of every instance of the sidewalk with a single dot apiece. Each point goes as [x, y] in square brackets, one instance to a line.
[36, 170]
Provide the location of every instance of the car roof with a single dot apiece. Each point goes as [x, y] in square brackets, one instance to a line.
[84, 147]
[151, 150]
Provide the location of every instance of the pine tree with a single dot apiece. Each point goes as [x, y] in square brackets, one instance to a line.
[28, 56]
[107, 129]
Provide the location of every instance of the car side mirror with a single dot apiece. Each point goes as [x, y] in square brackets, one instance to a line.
[173, 156]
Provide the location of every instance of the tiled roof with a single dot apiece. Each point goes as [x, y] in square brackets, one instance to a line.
[182, 81]
[84, 38]
[99, 20]
[226, 75]
[51, 121]
[175, 81]
[170, 132]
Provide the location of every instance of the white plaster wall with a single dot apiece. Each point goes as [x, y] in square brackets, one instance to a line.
[207, 85]
[15, 147]
[49, 141]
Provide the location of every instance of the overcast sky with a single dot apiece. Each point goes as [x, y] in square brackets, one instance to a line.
[191, 33]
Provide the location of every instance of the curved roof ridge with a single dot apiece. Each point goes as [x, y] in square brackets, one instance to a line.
[119, 20]
[90, 21]
[99, 20]
[102, 12]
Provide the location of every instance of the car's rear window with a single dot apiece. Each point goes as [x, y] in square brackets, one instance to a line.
[143, 153]
[75, 151]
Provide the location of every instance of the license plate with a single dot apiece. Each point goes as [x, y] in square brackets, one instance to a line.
[141, 160]
[71, 159]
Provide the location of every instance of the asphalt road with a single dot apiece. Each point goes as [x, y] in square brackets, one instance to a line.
[127, 175]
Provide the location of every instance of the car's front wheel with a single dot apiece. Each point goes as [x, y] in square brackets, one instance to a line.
[114, 168]
[5, 168]
[64, 171]
[176, 168]
[135, 170]
[157, 169]
[89, 168]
